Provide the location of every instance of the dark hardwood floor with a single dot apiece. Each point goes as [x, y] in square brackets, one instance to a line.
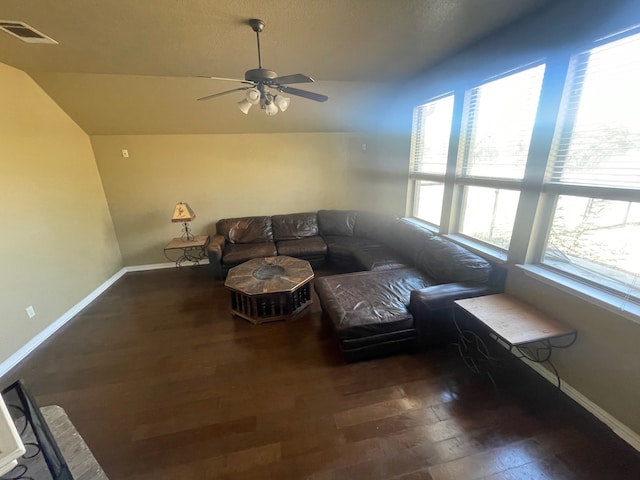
[163, 383]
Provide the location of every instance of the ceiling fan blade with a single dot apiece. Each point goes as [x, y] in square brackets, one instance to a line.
[295, 78]
[222, 93]
[241, 80]
[304, 93]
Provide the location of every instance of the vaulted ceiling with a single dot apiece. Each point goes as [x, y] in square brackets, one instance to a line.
[132, 67]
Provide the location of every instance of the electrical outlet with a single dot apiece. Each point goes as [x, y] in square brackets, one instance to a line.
[30, 311]
[125, 153]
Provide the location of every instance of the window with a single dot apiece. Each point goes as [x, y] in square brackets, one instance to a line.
[432, 129]
[497, 123]
[428, 201]
[498, 120]
[429, 152]
[593, 174]
[578, 218]
[489, 214]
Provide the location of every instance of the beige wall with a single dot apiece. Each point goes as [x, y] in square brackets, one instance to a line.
[603, 363]
[57, 243]
[226, 176]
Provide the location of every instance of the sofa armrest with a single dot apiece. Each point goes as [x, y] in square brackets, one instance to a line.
[442, 296]
[214, 252]
[215, 248]
[432, 308]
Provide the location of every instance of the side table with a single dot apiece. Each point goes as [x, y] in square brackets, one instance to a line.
[525, 330]
[189, 250]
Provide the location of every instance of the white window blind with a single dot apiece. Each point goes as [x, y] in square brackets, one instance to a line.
[598, 143]
[498, 120]
[430, 136]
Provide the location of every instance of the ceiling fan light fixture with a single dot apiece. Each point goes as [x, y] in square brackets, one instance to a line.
[244, 105]
[282, 102]
[252, 96]
[270, 109]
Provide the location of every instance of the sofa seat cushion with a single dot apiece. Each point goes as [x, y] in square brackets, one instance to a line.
[302, 247]
[378, 258]
[294, 226]
[340, 247]
[236, 253]
[363, 304]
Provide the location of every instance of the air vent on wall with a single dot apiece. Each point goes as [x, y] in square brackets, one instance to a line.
[25, 32]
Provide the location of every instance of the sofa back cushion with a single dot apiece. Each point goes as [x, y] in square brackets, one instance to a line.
[246, 229]
[336, 222]
[375, 226]
[294, 226]
[408, 238]
[447, 262]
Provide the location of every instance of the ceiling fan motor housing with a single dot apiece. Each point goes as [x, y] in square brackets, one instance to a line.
[260, 75]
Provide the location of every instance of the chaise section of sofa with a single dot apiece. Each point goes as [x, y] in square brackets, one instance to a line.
[368, 310]
[389, 307]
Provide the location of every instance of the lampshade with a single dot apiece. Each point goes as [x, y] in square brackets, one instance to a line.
[282, 102]
[252, 96]
[182, 213]
[244, 105]
[270, 109]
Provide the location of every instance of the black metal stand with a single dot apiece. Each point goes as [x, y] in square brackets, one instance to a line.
[42, 459]
[479, 358]
[189, 253]
[186, 234]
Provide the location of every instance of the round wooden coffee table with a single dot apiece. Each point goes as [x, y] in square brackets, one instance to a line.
[270, 288]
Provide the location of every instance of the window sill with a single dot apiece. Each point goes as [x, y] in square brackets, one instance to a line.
[583, 291]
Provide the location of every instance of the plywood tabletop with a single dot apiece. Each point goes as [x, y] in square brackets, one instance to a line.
[514, 320]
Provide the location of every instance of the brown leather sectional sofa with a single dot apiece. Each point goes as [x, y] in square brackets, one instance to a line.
[401, 283]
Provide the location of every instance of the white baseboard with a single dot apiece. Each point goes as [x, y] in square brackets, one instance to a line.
[619, 428]
[152, 266]
[159, 266]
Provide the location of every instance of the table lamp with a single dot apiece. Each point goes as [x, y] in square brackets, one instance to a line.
[184, 214]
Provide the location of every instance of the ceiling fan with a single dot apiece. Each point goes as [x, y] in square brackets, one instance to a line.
[261, 81]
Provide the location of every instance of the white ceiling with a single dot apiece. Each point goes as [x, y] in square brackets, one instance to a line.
[131, 66]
